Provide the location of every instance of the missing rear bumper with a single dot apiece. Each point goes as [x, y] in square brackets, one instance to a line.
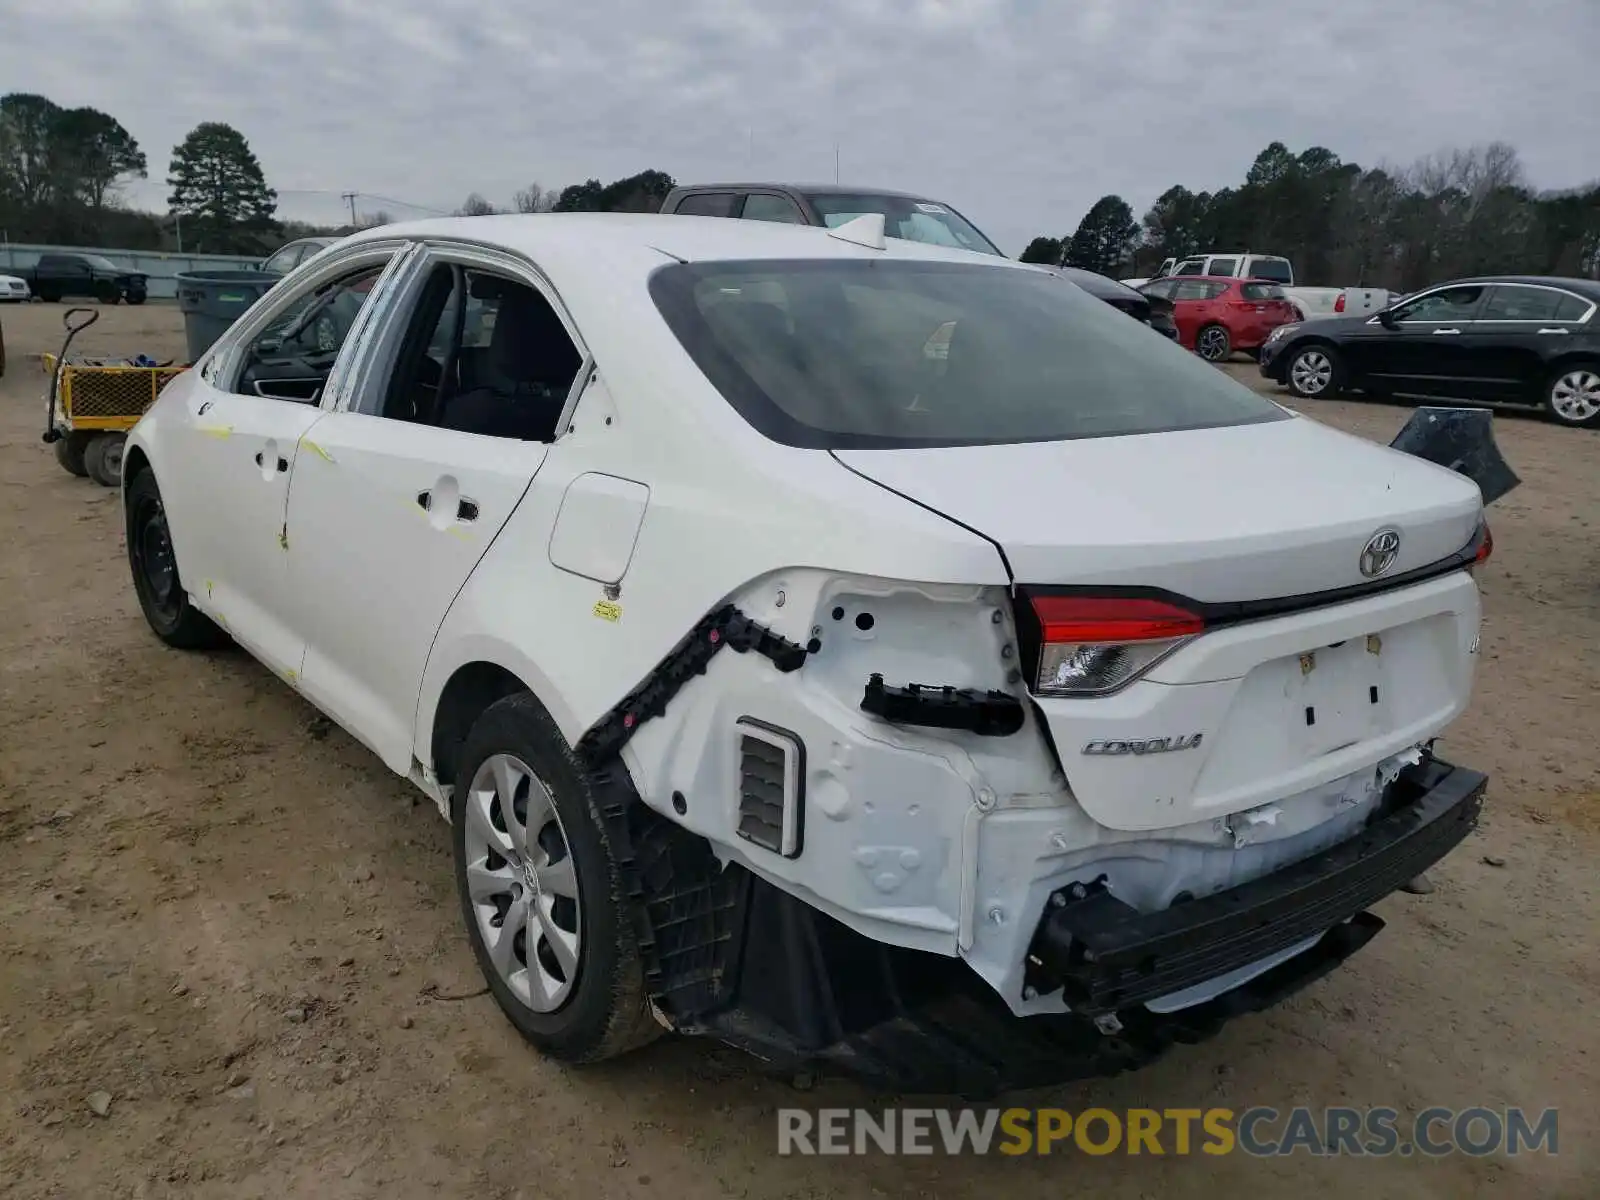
[1105, 956]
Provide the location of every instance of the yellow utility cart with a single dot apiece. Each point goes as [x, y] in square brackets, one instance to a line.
[95, 401]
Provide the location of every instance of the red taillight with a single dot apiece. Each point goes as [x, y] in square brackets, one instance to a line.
[1485, 547]
[1096, 645]
[1112, 619]
[1338, 305]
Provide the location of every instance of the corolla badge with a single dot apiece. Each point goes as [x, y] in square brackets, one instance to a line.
[1160, 745]
[1378, 555]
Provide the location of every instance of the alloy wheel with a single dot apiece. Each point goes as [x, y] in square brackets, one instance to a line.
[1575, 396]
[1213, 345]
[523, 883]
[1311, 373]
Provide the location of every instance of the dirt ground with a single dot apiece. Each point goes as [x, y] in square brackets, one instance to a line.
[233, 922]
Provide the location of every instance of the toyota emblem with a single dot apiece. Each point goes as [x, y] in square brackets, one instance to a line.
[1378, 555]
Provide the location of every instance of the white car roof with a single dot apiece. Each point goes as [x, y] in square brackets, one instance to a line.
[560, 238]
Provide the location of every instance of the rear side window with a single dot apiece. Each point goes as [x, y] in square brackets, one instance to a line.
[856, 353]
[1572, 308]
[707, 204]
[766, 206]
[1198, 289]
[1261, 291]
[1511, 303]
[1275, 269]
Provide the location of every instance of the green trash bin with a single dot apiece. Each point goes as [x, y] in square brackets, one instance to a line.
[213, 300]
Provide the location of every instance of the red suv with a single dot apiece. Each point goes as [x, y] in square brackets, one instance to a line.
[1218, 315]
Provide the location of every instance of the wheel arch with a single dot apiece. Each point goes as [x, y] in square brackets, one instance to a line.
[481, 672]
[1570, 358]
[135, 462]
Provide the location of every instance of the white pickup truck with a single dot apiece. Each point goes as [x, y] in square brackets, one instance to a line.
[1312, 302]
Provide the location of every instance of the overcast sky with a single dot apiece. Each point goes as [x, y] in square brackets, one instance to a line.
[1018, 112]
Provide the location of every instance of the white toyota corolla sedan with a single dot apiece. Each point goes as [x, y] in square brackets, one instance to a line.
[858, 651]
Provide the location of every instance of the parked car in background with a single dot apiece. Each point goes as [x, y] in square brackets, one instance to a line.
[905, 216]
[1310, 303]
[14, 290]
[290, 255]
[1509, 339]
[908, 217]
[794, 667]
[1216, 317]
[1153, 309]
[63, 276]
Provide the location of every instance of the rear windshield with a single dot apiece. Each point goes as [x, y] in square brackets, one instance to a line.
[1261, 291]
[910, 220]
[1275, 269]
[841, 354]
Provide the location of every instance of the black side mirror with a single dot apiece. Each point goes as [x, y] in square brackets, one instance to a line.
[1388, 320]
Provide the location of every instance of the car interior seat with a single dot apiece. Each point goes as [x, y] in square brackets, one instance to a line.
[520, 383]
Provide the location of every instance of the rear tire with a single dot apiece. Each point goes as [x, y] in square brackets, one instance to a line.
[1572, 395]
[1213, 343]
[166, 605]
[102, 459]
[567, 972]
[1315, 372]
[136, 300]
[70, 452]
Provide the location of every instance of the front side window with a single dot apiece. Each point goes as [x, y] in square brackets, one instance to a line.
[482, 353]
[1191, 266]
[1447, 304]
[1223, 266]
[293, 356]
[907, 219]
[885, 354]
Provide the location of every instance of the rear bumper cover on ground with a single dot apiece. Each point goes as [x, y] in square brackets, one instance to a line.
[1107, 956]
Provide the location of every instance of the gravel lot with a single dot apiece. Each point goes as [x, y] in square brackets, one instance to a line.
[232, 921]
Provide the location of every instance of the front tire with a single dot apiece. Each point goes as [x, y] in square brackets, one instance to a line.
[1572, 396]
[1213, 344]
[1315, 373]
[161, 594]
[102, 459]
[541, 890]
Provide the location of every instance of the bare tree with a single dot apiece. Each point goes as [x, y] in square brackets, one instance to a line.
[476, 206]
[534, 199]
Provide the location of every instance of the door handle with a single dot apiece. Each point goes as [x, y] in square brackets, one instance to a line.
[1562, 331]
[466, 510]
[283, 463]
[1437, 332]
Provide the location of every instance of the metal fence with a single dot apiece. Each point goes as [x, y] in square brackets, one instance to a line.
[161, 268]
